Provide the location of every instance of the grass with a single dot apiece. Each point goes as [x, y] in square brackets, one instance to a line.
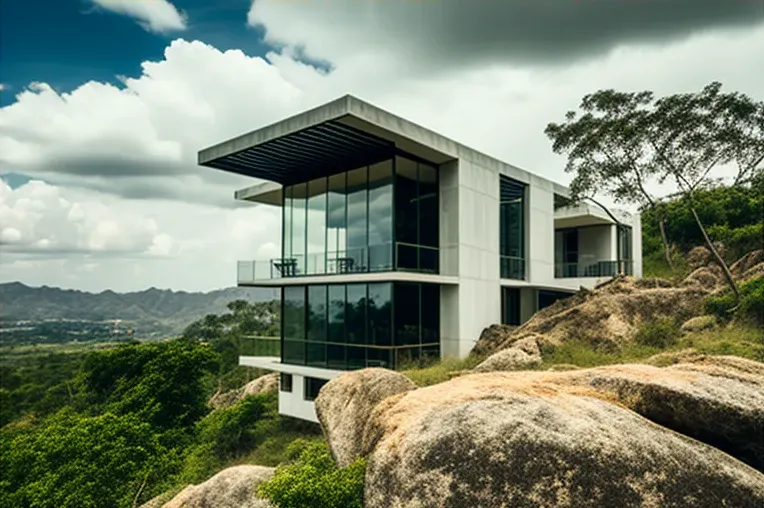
[440, 371]
[735, 339]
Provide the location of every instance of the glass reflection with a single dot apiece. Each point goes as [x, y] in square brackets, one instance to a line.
[299, 225]
[381, 216]
[357, 225]
[336, 220]
[316, 226]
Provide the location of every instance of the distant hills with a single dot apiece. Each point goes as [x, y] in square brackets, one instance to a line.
[153, 311]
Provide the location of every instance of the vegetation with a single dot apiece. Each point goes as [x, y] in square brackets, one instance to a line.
[750, 308]
[734, 216]
[313, 480]
[662, 333]
[116, 426]
[623, 143]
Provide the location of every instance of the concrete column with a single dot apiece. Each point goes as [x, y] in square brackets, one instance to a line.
[539, 227]
[636, 243]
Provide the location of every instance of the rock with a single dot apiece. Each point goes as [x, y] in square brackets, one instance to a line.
[699, 257]
[508, 359]
[529, 344]
[720, 401]
[562, 367]
[742, 266]
[262, 384]
[235, 487]
[541, 439]
[344, 404]
[607, 317]
[672, 357]
[699, 323]
[494, 334]
[709, 278]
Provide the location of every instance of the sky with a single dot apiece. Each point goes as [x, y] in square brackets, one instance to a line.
[104, 105]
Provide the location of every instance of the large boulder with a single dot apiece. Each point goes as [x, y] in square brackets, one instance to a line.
[235, 487]
[262, 384]
[745, 264]
[345, 403]
[541, 439]
[717, 400]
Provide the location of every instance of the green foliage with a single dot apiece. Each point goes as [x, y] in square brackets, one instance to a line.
[161, 383]
[750, 308]
[733, 216]
[439, 371]
[315, 481]
[660, 333]
[250, 430]
[69, 460]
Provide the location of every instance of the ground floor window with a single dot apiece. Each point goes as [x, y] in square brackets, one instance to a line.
[312, 387]
[510, 306]
[547, 298]
[285, 382]
[352, 326]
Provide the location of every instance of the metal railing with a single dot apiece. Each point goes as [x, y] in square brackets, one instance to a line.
[593, 269]
[252, 345]
[375, 258]
[512, 267]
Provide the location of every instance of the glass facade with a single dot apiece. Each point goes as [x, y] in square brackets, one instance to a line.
[374, 218]
[512, 228]
[510, 306]
[352, 326]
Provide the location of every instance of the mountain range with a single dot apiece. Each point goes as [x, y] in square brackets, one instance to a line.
[152, 308]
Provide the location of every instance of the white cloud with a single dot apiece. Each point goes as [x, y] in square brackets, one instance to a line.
[121, 162]
[157, 16]
[42, 219]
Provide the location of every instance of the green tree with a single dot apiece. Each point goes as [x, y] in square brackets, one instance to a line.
[70, 460]
[162, 383]
[623, 142]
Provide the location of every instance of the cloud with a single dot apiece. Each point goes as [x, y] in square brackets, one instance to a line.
[126, 155]
[440, 34]
[158, 16]
[42, 219]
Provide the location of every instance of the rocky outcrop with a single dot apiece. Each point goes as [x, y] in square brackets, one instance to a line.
[512, 358]
[605, 317]
[344, 405]
[749, 266]
[699, 323]
[262, 384]
[235, 487]
[555, 439]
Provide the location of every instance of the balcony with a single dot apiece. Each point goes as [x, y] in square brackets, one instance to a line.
[375, 258]
[596, 269]
[252, 345]
[512, 267]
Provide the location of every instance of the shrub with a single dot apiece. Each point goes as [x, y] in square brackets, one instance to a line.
[749, 309]
[314, 480]
[661, 333]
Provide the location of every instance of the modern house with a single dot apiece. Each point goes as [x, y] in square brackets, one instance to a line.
[399, 244]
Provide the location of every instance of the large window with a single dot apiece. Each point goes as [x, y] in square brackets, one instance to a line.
[512, 228]
[510, 306]
[373, 218]
[352, 326]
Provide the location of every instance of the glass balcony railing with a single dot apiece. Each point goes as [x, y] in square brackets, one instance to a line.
[375, 258]
[252, 345]
[593, 269]
[512, 267]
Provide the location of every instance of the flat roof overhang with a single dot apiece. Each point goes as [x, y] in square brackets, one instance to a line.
[338, 136]
[587, 215]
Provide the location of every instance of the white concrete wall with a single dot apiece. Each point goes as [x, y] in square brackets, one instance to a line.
[476, 302]
[539, 231]
[448, 178]
[294, 404]
[636, 243]
[596, 243]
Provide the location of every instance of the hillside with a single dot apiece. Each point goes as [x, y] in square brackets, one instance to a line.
[153, 311]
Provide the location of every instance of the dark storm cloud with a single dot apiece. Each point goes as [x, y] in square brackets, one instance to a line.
[447, 32]
[559, 30]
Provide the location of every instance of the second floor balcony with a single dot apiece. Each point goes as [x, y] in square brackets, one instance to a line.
[399, 256]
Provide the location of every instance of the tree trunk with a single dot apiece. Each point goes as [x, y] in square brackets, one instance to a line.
[715, 253]
[664, 239]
